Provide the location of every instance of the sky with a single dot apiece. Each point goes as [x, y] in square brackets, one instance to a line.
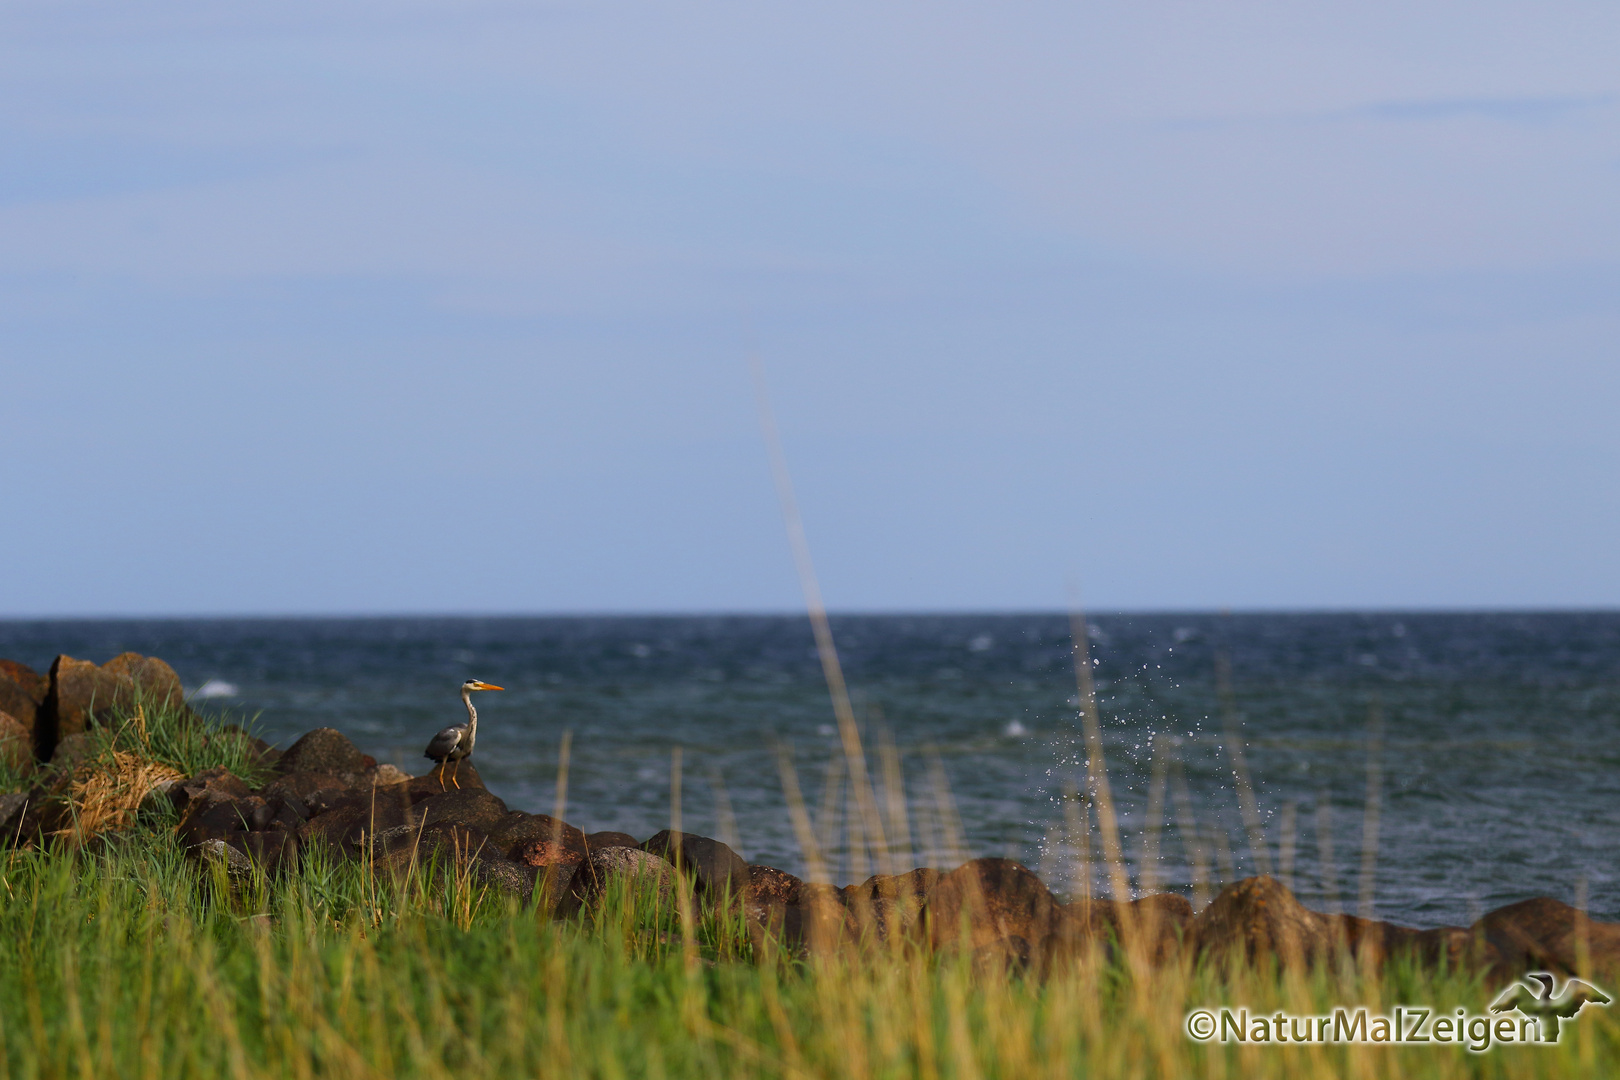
[358, 307]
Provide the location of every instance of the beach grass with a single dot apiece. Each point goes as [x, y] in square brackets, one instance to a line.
[124, 959]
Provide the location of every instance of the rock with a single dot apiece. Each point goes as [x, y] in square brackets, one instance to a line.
[234, 862]
[1160, 922]
[538, 840]
[987, 902]
[476, 808]
[515, 878]
[608, 838]
[146, 680]
[818, 920]
[1542, 933]
[767, 885]
[270, 850]
[717, 870]
[12, 806]
[349, 825]
[447, 842]
[314, 791]
[18, 704]
[1257, 918]
[210, 785]
[886, 904]
[217, 819]
[639, 869]
[324, 750]
[35, 685]
[420, 787]
[16, 745]
[80, 692]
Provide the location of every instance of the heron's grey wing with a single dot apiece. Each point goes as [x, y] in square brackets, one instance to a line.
[445, 742]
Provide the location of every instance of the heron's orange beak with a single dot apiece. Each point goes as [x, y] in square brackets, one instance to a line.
[488, 686]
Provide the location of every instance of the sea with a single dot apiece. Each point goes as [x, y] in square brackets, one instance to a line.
[1423, 767]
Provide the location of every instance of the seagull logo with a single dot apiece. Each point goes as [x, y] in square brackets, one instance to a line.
[1538, 1000]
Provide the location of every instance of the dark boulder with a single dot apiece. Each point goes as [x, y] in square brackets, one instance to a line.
[1547, 934]
[515, 878]
[216, 819]
[1157, 924]
[608, 838]
[324, 750]
[421, 787]
[348, 825]
[639, 870]
[887, 904]
[984, 904]
[1258, 918]
[716, 869]
[767, 886]
[12, 806]
[472, 807]
[314, 791]
[817, 920]
[210, 785]
[538, 840]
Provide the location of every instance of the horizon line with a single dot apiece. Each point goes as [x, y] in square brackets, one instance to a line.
[782, 613]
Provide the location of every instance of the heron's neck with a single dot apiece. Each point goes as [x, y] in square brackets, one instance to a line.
[472, 717]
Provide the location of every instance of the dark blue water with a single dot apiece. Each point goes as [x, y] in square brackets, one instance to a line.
[1497, 755]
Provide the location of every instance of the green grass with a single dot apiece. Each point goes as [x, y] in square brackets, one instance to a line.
[128, 961]
[124, 959]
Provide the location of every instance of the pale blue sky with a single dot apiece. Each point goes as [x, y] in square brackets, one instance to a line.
[371, 307]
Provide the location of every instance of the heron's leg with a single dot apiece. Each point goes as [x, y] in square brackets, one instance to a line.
[442, 764]
[455, 777]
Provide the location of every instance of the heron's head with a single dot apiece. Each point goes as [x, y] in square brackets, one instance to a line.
[479, 684]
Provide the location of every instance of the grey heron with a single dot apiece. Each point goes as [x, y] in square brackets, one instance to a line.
[456, 742]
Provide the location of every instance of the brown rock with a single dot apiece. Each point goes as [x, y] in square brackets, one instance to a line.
[324, 750]
[891, 904]
[80, 693]
[1545, 934]
[316, 791]
[430, 784]
[986, 902]
[1159, 921]
[608, 838]
[31, 681]
[473, 807]
[768, 885]
[716, 869]
[216, 819]
[820, 921]
[1257, 918]
[17, 703]
[538, 840]
[640, 869]
[16, 746]
[210, 785]
[153, 682]
[347, 827]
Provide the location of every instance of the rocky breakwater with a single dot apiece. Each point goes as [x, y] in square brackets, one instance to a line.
[324, 794]
[40, 714]
[322, 798]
